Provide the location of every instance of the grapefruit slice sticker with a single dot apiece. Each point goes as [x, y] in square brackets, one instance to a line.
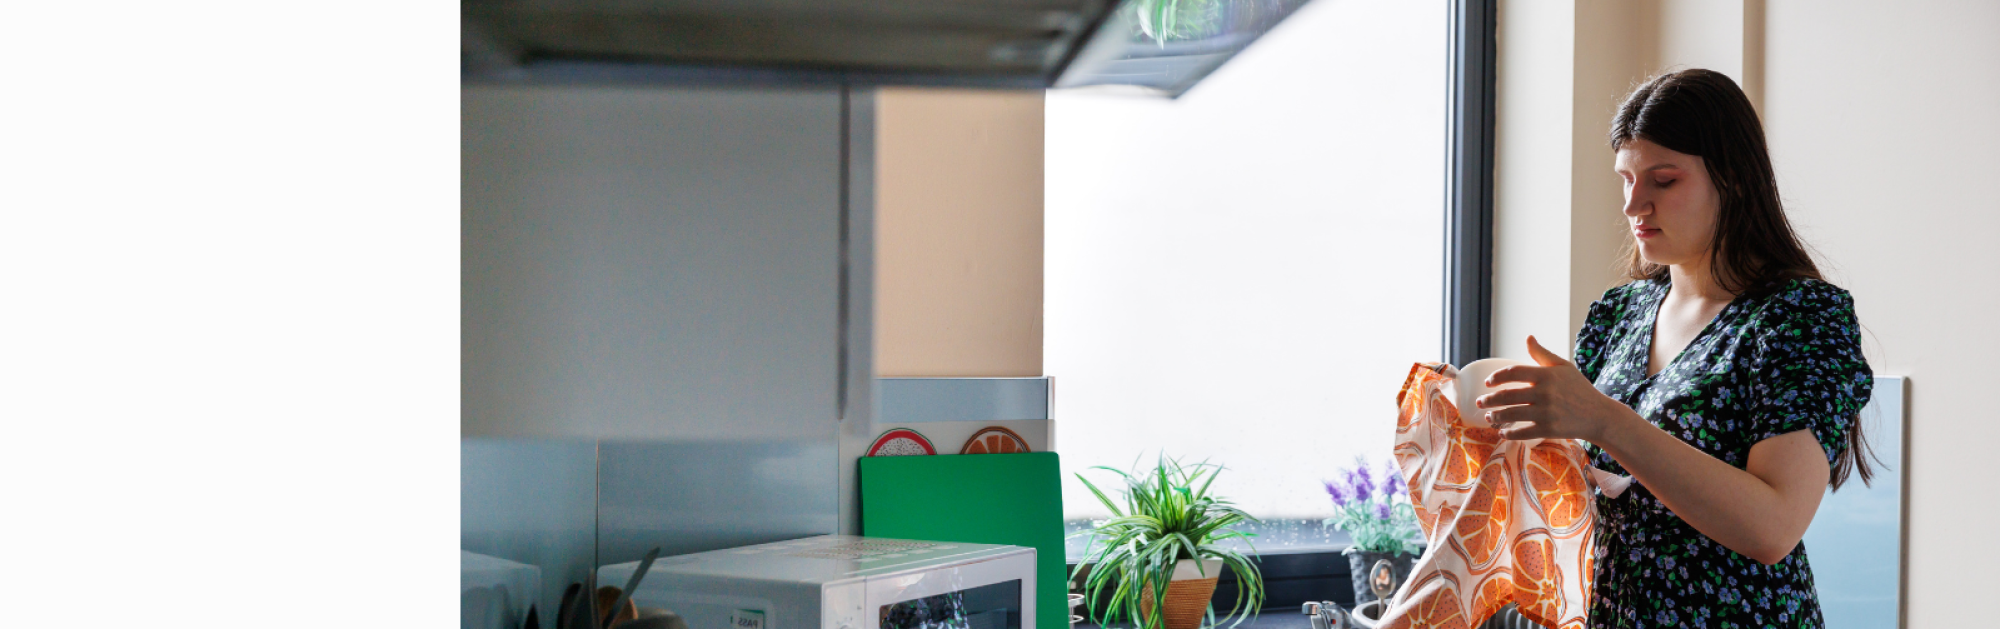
[994, 440]
[901, 442]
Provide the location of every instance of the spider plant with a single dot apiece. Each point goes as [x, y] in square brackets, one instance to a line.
[1177, 20]
[1167, 515]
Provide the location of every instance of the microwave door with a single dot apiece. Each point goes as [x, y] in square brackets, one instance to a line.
[993, 594]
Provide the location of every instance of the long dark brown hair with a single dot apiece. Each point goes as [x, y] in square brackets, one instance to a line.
[1753, 250]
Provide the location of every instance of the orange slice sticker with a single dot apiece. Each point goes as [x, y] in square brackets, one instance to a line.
[994, 440]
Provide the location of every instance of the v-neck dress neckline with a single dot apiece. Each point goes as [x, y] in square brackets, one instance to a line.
[1652, 327]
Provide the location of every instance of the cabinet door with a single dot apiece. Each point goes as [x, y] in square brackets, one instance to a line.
[648, 263]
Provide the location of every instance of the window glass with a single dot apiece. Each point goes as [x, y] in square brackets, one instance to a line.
[1244, 274]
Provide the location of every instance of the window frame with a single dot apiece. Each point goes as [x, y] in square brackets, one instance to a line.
[1468, 250]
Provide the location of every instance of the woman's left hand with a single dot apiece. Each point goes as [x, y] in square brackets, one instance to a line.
[1558, 403]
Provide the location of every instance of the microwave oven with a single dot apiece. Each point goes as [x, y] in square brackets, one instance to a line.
[842, 582]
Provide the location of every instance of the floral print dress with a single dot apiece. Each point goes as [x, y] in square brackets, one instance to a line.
[1766, 365]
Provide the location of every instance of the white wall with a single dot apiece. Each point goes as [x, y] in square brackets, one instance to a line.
[1884, 122]
[1713, 34]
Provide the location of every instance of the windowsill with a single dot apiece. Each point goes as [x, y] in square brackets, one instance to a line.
[1300, 561]
[1273, 537]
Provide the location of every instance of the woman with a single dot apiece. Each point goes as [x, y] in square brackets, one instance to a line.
[1726, 379]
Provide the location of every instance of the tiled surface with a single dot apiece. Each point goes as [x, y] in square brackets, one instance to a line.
[687, 497]
[537, 514]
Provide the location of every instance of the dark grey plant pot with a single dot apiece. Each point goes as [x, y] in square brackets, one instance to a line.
[1360, 561]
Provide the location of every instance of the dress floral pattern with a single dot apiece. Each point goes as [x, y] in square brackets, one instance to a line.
[1766, 365]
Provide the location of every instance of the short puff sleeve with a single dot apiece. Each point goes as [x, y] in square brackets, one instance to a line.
[1809, 372]
[1602, 326]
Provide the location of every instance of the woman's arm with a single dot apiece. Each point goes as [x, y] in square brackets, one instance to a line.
[1760, 511]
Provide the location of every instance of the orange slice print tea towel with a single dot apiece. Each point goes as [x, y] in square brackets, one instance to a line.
[1506, 521]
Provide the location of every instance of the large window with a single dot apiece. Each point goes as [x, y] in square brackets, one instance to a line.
[1245, 274]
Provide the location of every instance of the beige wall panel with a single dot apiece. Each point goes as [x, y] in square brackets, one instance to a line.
[1615, 51]
[1702, 34]
[1726, 36]
[1883, 120]
[958, 233]
[1532, 176]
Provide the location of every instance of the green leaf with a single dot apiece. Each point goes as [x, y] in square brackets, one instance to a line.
[1168, 515]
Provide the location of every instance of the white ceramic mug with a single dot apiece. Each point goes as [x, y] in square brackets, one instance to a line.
[1471, 383]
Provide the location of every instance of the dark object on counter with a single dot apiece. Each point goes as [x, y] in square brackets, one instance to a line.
[631, 585]
[579, 606]
[568, 607]
[1361, 565]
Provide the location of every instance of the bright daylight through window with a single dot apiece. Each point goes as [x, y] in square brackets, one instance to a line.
[1244, 275]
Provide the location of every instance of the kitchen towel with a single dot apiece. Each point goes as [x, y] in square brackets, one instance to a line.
[1506, 521]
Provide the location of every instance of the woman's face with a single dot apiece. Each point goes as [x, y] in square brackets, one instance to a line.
[1669, 202]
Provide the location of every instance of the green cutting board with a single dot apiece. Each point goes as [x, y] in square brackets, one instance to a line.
[975, 498]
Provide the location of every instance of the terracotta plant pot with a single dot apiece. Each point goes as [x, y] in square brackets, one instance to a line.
[1188, 593]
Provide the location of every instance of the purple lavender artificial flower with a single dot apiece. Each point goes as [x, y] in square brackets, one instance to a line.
[1337, 492]
[1365, 485]
[1392, 482]
[1382, 510]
